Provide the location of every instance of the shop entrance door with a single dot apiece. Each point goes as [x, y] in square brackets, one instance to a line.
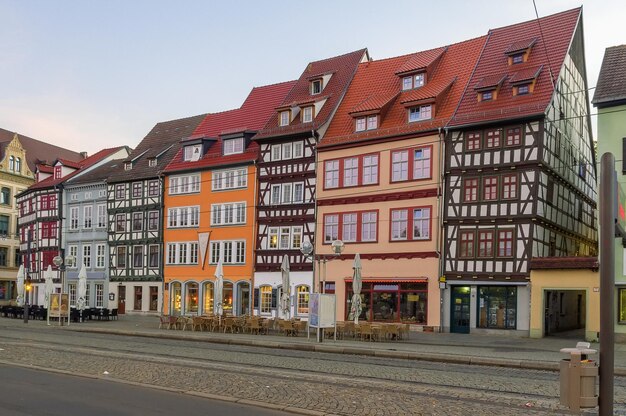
[121, 300]
[460, 314]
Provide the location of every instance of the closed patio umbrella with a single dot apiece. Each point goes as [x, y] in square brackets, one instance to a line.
[48, 288]
[20, 286]
[357, 284]
[219, 288]
[285, 298]
[81, 292]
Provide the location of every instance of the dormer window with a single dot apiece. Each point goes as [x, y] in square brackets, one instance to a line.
[517, 58]
[519, 51]
[316, 86]
[192, 153]
[360, 124]
[372, 122]
[420, 113]
[152, 162]
[307, 114]
[413, 81]
[57, 172]
[232, 146]
[486, 96]
[367, 123]
[128, 166]
[523, 89]
[284, 118]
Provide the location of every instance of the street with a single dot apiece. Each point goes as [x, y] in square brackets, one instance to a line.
[32, 392]
[293, 380]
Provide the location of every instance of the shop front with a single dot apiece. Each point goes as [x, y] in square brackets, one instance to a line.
[197, 298]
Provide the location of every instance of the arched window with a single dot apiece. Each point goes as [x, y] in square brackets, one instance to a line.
[207, 305]
[18, 165]
[191, 297]
[302, 300]
[243, 298]
[227, 300]
[11, 163]
[265, 292]
[176, 298]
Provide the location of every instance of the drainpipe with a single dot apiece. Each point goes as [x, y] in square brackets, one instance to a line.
[440, 208]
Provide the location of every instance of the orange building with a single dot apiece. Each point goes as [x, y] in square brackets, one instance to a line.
[209, 205]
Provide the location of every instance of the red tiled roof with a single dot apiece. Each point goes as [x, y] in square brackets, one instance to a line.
[420, 61]
[558, 31]
[611, 87]
[527, 74]
[68, 163]
[490, 81]
[343, 68]
[375, 102]
[379, 78]
[251, 116]
[45, 168]
[520, 45]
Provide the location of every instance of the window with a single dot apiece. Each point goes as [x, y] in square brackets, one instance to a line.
[400, 166]
[153, 188]
[137, 257]
[331, 174]
[137, 189]
[228, 214]
[284, 238]
[233, 252]
[152, 162]
[513, 136]
[497, 307]
[137, 221]
[505, 243]
[5, 196]
[192, 152]
[399, 224]
[4, 251]
[11, 163]
[298, 193]
[485, 243]
[99, 295]
[272, 241]
[372, 122]
[74, 218]
[470, 190]
[286, 193]
[509, 187]
[421, 223]
[622, 305]
[120, 257]
[297, 149]
[490, 188]
[153, 256]
[286, 151]
[523, 89]
[407, 83]
[232, 146]
[414, 81]
[276, 149]
[119, 191]
[418, 80]
[370, 169]
[316, 86]
[351, 171]
[486, 96]
[418, 167]
[517, 58]
[466, 245]
[302, 300]
[331, 228]
[153, 220]
[72, 288]
[100, 251]
[87, 256]
[296, 237]
[423, 112]
[183, 217]
[492, 138]
[120, 223]
[349, 225]
[284, 118]
[369, 225]
[229, 179]
[73, 252]
[472, 141]
[307, 114]
[360, 124]
[102, 216]
[48, 229]
[184, 184]
[87, 216]
[275, 194]
[421, 163]
[266, 299]
[57, 172]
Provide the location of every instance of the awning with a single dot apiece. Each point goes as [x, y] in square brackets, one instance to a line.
[390, 280]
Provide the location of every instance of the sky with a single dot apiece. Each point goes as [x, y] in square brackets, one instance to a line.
[86, 75]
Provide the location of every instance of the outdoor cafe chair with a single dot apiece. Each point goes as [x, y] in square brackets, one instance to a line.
[229, 325]
[197, 322]
[164, 321]
[254, 326]
[365, 331]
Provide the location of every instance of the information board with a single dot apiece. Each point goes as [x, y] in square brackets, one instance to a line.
[59, 305]
[322, 310]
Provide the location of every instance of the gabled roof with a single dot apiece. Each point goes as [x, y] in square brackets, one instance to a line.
[376, 81]
[520, 45]
[162, 141]
[36, 150]
[342, 68]
[490, 81]
[99, 174]
[526, 74]
[420, 61]
[558, 31]
[611, 86]
[84, 164]
[250, 117]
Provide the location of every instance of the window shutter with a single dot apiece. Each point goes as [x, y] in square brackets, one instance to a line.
[623, 154]
[274, 298]
[256, 298]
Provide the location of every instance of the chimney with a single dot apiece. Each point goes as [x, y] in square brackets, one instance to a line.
[83, 155]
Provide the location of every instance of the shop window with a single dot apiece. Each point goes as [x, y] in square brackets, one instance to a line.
[138, 299]
[227, 299]
[622, 306]
[302, 300]
[497, 306]
[266, 299]
[391, 302]
[191, 298]
[207, 290]
[176, 298]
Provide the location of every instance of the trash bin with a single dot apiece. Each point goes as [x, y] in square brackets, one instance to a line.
[578, 377]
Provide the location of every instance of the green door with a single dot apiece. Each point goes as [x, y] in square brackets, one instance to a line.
[460, 314]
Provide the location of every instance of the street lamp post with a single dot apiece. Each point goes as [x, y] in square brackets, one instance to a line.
[308, 250]
[27, 287]
[61, 261]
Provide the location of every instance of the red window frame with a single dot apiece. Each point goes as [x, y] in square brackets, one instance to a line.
[493, 138]
[410, 211]
[514, 136]
[48, 230]
[44, 202]
[470, 184]
[490, 188]
[359, 226]
[510, 186]
[485, 237]
[411, 164]
[341, 171]
[46, 258]
[57, 172]
[466, 244]
[506, 237]
[472, 141]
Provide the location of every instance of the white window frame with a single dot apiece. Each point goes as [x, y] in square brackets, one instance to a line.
[286, 151]
[231, 213]
[88, 217]
[135, 265]
[187, 184]
[296, 237]
[298, 149]
[276, 150]
[229, 179]
[331, 228]
[100, 255]
[372, 122]
[369, 227]
[183, 217]
[298, 196]
[307, 114]
[400, 166]
[233, 146]
[424, 220]
[349, 227]
[422, 164]
[284, 238]
[399, 224]
[360, 124]
[99, 295]
[370, 170]
[351, 171]
[87, 255]
[319, 84]
[74, 218]
[331, 174]
[73, 252]
[265, 301]
[275, 194]
[180, 253]
[272, 243]
[102, 216]
[420, 113]
[287, 193]
[284, 118]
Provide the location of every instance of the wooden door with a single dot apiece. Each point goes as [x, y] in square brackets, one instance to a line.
[121, 300]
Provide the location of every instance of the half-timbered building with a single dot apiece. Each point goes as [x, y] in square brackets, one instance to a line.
[135, 217]
[379, 165]
[520, 172]
[216, 218]
[287, 179]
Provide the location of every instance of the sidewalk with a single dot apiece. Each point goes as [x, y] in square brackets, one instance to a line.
[498, 350]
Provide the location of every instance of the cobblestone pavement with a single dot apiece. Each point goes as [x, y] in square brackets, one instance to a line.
[328, 383]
